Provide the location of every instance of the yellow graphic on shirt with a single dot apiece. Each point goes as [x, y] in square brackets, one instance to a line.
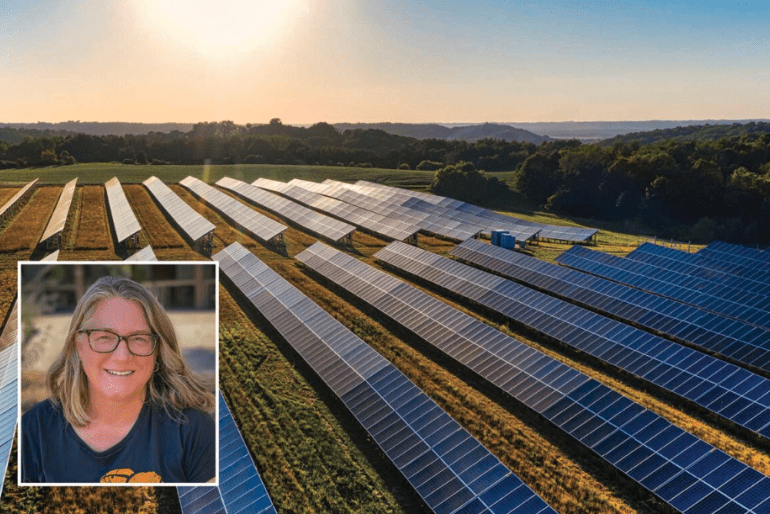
[124, 475]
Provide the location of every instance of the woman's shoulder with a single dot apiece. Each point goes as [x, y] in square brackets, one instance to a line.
[45, 409]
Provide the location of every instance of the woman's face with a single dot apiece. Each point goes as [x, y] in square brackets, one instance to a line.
[119, 375]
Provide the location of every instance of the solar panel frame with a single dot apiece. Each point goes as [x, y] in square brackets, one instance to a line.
[145, 254]
[397, 415]
[123, 218]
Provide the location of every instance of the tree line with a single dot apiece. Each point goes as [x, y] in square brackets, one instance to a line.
[686, 189]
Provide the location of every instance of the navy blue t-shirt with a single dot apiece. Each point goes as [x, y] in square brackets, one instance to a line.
[156, 449]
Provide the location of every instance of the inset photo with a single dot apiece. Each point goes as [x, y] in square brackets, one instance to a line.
[119, 373]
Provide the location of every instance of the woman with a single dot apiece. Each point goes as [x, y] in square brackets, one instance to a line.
[124, 406]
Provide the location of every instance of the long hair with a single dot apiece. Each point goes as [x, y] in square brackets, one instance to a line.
[173, 387]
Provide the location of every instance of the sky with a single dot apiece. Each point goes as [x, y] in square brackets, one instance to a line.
[401, 61]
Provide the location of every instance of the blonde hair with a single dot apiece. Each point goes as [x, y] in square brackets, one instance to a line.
[173, 387]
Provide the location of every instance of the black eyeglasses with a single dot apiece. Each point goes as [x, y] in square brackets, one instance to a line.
[105, 341]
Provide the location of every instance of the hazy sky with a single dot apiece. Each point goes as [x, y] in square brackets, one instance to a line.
[306, 61]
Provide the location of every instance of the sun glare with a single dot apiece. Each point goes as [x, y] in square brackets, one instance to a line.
[224, 29]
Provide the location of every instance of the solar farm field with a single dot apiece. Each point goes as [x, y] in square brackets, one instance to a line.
[311, 451]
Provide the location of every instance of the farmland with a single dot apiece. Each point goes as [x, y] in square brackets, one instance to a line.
[313, 456]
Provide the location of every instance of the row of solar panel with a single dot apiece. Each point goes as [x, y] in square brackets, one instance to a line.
[449, 469]
[192, 224]
[377, 224]
[729, 252]
[631, 273]
[747, 278]
[59, 217]
[731, 338]
[684, 471]
[8, 387]
[17, 198]
[676, 260]
[556, 232]
[240, 489]
[310, 220]
[262, 227]
[432, 224]
[398, 200]
[724, 389]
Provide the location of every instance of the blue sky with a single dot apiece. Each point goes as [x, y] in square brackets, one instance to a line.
[400, 61]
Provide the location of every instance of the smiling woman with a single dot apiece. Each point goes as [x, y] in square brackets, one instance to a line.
[124, 406]
[225, 29]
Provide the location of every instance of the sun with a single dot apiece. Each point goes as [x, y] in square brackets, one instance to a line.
[224, 29]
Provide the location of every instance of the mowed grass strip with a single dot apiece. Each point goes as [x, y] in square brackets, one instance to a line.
[155, 227]
[22, 234]
[93, 232]
[307, 459]
[6, 193]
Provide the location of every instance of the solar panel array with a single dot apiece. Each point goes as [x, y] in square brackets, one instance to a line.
[195, 226]
[377, 224]
[123, 218]
[745, 278]
[398, 199]
[59, 217]
[240, 487]
[145, 254]
[722, 388]
[8, 388]
[315, 222]
[719, 250]
[450, 470]
[429, 223]
[682, 470]
[544, 231]
[731, 338]
[667, 284]
[16, 199]
[262, 227]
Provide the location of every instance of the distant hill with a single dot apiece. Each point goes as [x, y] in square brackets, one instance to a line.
[705, 132]
[96, 128]
[437, 131]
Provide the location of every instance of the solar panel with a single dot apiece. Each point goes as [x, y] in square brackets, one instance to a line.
[679, 468]
[430, 223]
[742, 277]
[497, 220]
[634, 274]
[240, 487]
[717, 386]
[198, 229]
[262, 227]
[728, 337]
[145, 254]
[315, 222]
[450, 470]
[55, 227]
[10, 207]
[719, 250]
[123, 219]
[377, 224]
[8, 387]
[54, 256]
